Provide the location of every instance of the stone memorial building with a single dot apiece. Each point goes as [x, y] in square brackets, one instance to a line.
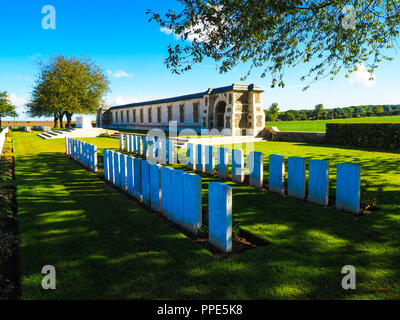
[236, 107]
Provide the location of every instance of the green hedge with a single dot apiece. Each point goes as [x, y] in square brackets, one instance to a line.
[381, 135]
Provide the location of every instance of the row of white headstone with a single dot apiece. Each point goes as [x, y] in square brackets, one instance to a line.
[25, 128]
[201, 158]
[348, 175]
[174, 193]
[83, 152]
[153, 149]
[41, 128]
[3, 138]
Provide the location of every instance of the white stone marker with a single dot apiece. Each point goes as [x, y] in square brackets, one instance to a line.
[222, 163]
[297, 177]
[166, 191]
[209, 160]
[146, 182]
[116, 169]
[237, 166]
[177, 199]
[348, 183]
[105, 161]
[318, 182]
[191, 156]
[122, 171]
[121, 142]
[256, 174]
[155, 187]
[192, 202]
[220, 215]
[137, 178]
[276, 173]
[129, 174]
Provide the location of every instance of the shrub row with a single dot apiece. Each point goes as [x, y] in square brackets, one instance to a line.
[381, 135]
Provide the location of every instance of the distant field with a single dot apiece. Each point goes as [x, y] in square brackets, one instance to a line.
[31, 123]
[319, 125]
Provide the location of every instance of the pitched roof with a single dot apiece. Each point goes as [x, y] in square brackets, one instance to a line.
[233, 87]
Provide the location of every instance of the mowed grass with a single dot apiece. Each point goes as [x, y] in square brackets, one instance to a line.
[104, 245]
[320, 125]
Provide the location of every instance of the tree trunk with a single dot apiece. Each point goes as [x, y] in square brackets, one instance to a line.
[55, 121]
[61, 120]
[69, 117]
[0, 122]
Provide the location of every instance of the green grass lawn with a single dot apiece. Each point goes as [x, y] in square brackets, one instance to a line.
[104, 245]
[319, 125]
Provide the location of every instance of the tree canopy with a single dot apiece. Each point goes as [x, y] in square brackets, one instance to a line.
[7, 109]
[328, 36]
[68, 85]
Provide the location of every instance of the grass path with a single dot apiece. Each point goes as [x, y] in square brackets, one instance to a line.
[104, 246]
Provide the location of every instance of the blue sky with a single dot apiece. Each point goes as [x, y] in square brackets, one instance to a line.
[118, 36]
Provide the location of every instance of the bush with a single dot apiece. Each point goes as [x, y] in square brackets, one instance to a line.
[381, 135]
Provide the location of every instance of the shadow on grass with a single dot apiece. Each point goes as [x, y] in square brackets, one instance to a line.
[105, 247]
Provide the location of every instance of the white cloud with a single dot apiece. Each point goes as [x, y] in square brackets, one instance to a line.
[362, 78]
[19, 77]
[17, 101]
[119, 74]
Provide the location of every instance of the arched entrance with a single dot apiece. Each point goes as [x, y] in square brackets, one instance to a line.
[219, 114]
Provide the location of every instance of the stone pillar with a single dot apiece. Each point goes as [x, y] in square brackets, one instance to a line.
[348, 183]
[177, 199]
[237, 166]
[105, 161]
[256, 174]
[155, 187]
[191, 156]
[116, 169]
[129, 174]
[146, 182]
[220, 215]
[276, 173]
[222, 163]
[166, 191]
[297, 177]
[192, 202]
[122, 171]
[200, 158]
[318, 182]
[137, 178]
[209, 160]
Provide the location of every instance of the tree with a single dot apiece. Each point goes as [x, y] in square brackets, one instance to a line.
[68, 85]
[273, 111]
[278, 34]
[7, 109]
[318, 110]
